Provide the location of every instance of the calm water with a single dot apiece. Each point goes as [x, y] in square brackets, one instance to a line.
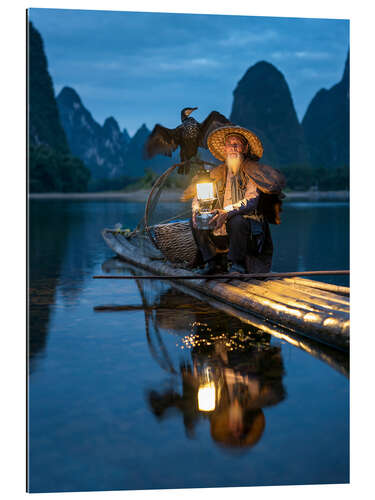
[165, 391]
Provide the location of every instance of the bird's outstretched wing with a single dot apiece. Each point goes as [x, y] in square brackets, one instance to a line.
[214, 120]
[162, 141]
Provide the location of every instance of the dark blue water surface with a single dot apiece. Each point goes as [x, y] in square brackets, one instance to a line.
[117, 397]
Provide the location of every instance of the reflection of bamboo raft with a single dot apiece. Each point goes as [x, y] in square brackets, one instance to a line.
[179, 315]
[176, 322]
[309, 310]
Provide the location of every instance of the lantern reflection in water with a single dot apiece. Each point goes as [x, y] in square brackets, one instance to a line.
[207, 393]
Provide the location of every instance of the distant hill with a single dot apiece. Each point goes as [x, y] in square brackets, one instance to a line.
[51, 165]
[326, 125]
[136, 161]
[134, 155]
[108, 152]
[126, 136]
[102, 148]
[44, 121]
[263, 103]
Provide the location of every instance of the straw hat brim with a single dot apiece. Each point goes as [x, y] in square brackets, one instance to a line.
[216, 140]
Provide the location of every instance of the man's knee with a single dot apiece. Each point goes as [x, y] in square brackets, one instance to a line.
[238, 223]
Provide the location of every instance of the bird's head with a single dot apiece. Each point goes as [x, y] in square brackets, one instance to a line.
[186, 112]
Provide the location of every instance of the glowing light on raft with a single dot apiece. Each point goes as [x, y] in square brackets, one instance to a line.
[207, 397]
[311, 317]
[205, 191]
[330, 322]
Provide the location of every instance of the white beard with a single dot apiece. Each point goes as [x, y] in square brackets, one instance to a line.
[234, 162]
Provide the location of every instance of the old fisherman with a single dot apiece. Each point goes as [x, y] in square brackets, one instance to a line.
[248, 198]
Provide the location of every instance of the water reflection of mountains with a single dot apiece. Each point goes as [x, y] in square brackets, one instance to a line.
[64, 241]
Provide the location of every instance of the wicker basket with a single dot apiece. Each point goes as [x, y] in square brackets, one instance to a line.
[176, 242]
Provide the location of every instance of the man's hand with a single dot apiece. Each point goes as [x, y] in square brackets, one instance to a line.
[219, 219]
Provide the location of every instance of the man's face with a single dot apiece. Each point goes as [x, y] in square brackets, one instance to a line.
[234, 147]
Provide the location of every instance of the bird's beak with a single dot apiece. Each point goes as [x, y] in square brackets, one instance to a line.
[190, 111]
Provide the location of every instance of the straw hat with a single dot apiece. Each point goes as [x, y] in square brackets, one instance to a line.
[216, 140]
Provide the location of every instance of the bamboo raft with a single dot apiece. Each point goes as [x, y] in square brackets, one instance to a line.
[319, 311]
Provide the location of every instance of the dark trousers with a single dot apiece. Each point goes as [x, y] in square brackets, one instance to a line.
[238, 240]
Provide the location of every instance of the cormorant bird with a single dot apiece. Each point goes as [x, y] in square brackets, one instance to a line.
[189, 136]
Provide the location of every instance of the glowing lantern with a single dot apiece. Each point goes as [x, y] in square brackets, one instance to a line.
[205, 191]
[206, 199]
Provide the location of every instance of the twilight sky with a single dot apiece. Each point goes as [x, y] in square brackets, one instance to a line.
[145, 67]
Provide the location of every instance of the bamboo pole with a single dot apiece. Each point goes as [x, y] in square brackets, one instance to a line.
[311, 296]
[226, 276]
[113, 307]
[344, 290]
[313, 292]
[293, 299]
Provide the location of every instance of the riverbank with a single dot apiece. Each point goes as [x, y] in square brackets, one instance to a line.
[172, 195]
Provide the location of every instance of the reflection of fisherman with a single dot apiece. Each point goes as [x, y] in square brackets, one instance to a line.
[239, 420]
[229, 386]
[249, 196]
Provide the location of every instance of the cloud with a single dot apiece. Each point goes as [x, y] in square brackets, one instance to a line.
[242, 38]
[145, 67]
[318, 74]
[280, 55]
[188, 64]
[314, 56]
[106, 65]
